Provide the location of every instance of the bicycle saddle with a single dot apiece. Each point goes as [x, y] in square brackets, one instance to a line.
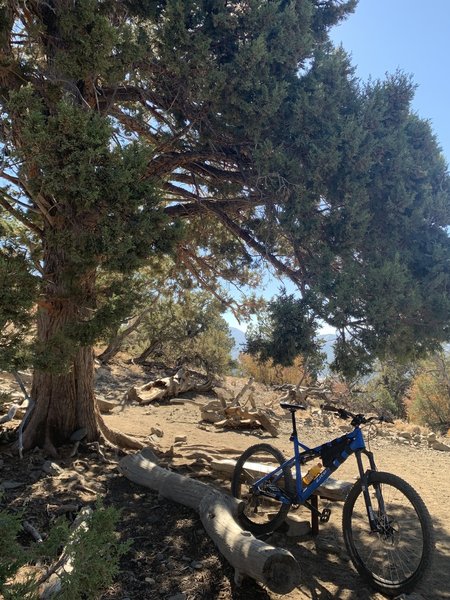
[290, 406]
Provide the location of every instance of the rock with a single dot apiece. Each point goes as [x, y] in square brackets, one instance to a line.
[158, 432]
[179, 596]
[405, 435]
[440, 446]
[196, 564]
[326, 421]
[308, 422]
[431, 437]
[150, 580]
[297, 528]
[180, 439]
[51, 468]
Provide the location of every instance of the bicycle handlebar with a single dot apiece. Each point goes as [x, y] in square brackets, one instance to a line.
[357, 419]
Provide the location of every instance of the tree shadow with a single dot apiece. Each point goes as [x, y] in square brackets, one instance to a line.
[171, 553]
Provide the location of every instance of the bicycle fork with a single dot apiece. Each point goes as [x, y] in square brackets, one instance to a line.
[374, 520]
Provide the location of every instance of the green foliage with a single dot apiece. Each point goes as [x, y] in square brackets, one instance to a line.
[94, 553]
[388, 389]
[115, 113]
[428, 401]
[18, 287]
[285, 333]
[186, 326]
[12, 555]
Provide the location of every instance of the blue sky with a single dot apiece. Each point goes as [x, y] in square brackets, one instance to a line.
[412, 35]
[383, 36]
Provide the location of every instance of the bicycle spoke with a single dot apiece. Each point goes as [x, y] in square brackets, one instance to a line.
[397, 553]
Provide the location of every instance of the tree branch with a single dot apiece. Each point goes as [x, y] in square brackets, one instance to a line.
[250, 241]
[20, 217]
[201, 206]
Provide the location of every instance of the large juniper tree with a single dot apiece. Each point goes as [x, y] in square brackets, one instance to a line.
[123, 119]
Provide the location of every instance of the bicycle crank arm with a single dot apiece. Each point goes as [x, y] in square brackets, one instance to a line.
[324, 515]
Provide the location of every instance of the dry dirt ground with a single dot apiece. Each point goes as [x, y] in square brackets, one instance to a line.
[171, 556]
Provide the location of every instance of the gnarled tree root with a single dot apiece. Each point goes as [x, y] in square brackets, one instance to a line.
[117, 438]
[274, 567]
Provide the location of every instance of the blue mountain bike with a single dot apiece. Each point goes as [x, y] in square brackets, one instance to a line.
[387, 529]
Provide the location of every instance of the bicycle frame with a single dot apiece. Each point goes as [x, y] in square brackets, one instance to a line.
[354, 444]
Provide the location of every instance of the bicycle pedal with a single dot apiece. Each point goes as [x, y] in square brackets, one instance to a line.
[325, 515]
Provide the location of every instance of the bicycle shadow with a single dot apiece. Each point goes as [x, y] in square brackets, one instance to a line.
[326, 570]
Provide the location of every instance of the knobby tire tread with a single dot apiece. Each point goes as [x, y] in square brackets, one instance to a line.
[276, 522]
[416, 501]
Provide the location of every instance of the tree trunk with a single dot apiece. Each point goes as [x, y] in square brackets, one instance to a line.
[64, 393]
[147, 352]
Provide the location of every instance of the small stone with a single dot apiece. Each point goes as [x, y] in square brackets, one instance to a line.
[405, 435]
[158, 432]
[180, 439]
[196, 564]
[51, 468]
[150, 580]
[326, 421]
[180, 596]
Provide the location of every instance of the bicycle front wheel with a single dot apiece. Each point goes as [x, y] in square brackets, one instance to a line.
[261, 514]
[396, 557]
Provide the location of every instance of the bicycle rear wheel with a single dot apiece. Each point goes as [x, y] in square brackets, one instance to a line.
[396, 557]
[261, 514]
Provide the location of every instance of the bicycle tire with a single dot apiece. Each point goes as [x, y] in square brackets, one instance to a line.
[272, 513]
[396, 560]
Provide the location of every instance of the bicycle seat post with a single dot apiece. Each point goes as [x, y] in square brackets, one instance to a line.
[294, 424]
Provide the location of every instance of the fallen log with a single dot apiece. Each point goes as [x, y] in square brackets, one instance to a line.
[166, 388]
[274, 567]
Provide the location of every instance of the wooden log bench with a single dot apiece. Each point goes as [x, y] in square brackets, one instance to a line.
[334, 490]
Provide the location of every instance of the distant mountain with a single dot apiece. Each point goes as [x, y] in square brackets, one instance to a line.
[239, 341]
[328, 341]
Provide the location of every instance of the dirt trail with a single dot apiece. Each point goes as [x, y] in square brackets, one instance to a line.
[327, 573]
[171, 557]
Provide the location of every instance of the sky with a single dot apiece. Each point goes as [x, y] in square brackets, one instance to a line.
[383, 36]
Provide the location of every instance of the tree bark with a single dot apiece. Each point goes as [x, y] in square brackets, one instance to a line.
[65, 398]
[64, 401]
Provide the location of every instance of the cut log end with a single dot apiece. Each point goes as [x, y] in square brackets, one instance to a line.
[281, 573]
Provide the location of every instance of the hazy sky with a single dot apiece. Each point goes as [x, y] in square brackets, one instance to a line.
[383, 36]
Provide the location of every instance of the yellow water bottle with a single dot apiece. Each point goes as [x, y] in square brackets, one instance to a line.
[312, 474]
